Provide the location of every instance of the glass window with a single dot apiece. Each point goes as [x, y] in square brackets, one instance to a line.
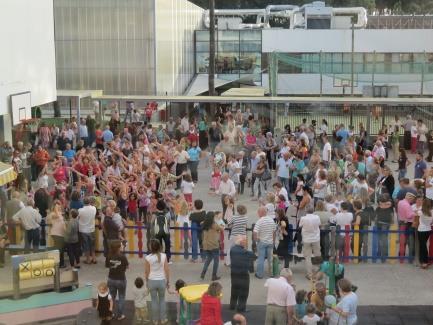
[228, 35]
[252, 46]
[202, 62]
[202, 35]
[250, 63]
[251, 35]
[227, 63]
[228, 46]
[202, 46]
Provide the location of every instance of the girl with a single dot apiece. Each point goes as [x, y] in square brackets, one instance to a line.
[143, 203]
[104, 303]
[211, 233]
[311, 318]
[210, 312]
[133, 207]
[187, 187]
[183, 221]
[299, 192]
[424, 231]
[281, 202]
[403, 162]
[216, 179]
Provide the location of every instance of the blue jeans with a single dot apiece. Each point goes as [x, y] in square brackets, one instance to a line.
[402, 173]
[117, 287]
[196, 241]
[285, 182]
[212, 254]
[265, 251]
[157, 295]
[193, 167]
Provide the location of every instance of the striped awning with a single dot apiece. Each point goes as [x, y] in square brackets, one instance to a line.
[7, 174]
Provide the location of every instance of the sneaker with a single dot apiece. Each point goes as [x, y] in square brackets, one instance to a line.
[202, 276]
[216, 278]
[170, 262]
[121, 317]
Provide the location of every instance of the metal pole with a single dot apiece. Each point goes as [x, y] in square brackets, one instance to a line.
[353, 59]
[70, 108]
[78, 117]
[374, 69]
[321, 73]
[211, 81]
[422, 75]
[332, 262]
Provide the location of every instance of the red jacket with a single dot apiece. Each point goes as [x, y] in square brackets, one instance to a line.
[210, 313]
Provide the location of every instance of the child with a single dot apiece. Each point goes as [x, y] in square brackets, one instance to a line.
[183, 221]
[139, 293]
[133, 207]
[104, 303]
[216, 179]
[301, 305]
[178, 285]
[143, 203]
[310, 318]
[281, 202]
[187, 186]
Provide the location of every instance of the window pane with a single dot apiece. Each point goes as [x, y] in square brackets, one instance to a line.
[250, 63]
[202, 35]
[251, 35]
[228, 46]
[202, 46]
[251, 46]
[202, 62]
[227, 63]
[228, 35]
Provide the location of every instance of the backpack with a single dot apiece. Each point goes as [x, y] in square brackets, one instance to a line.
[160, 224]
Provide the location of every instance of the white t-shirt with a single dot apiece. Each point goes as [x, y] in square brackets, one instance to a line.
[187, 187]
[310, 224]
[429, 190]
[86, 219]
[413, 131]
[156, 268]
[321, 191]
[139, 295]
[326, 153]
[280, 292]
[307, 320]
[344, 219]
[425, 222]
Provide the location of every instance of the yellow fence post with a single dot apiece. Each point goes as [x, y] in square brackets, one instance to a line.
[131, 244]
[177, 242]
[355, 244]
[393, 243]
[18, 234]
[97, 238]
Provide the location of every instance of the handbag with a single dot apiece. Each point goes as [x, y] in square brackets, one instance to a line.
[266, 175]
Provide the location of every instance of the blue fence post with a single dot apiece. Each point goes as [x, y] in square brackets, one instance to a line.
[290, 247]
[194, 239]
[375, 244]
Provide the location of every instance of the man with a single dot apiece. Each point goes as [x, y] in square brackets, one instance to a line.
[357, 184]
[107, 135]
[40, 159]
[283, 170]
[420, 166]
[86, 228]
[196, 218]
[237, 319]
[343, 134]
[254, 160]
[194, 159]
[280, 299]
[422, 135]
[406, 216]
[164, 177]
[161, 227]
[110, 228]
[30, 219]
[215, 136]
[264, 235]
[170, 127]
[184, 123]
[407, 125]
[240, 259]
[227, 187]
[326, 152]
[404, 189]
[12, 207]
[310, 225]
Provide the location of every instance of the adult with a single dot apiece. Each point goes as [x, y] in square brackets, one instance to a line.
[110, 228]
[161, 227]
[344, 220]
[237, 319]
[40, 159]
[384, 216]
[407, 125]
[325, 218]
[264, 235]
[280, 299]
[346, 307]
[420, 165]
[406, 216]
[86, 227]
[239, 272]
[226, 188]
[284, 236]
[211, 245]
[30, 219]
[210, 309]
[283, 170]
[117, 263]
[57, 230]
[215, 136]
[181, 157]
[386, 183]
[72, 243]
[260, 177]
[238, 227]
[194, 158]
[196, 218]
[424, 230]
[422, 135]
[310, 225]
[326, 151]
[157, 276]
[12, 207]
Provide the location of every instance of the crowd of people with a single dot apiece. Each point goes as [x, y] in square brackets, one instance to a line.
[83, 175]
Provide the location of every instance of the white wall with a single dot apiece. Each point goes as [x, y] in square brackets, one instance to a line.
[309, 84]
[175, 22]
[337, 40]
[27, 55]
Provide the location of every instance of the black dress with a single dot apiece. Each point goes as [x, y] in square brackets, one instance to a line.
[284, 242]
[104, 305]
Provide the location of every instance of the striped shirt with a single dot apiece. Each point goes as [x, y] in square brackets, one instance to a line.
[265, 228]
[239, 225]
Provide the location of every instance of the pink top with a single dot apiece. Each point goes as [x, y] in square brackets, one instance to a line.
[250, 139]
[405, 211]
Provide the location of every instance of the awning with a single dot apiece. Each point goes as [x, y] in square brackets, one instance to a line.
[245, 92]
[200, 85]
[7, 174]
[79, 93]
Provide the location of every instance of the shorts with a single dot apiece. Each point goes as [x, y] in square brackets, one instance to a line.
[88, 241]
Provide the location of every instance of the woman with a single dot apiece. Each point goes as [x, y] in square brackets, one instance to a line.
[403, 163]
[202, 134]
[211, 245]
[157, 275]
[117, 264]
[424, 231]
[270, 146]
[362, 140]
[210, 309]
[181, 158]
[325, 217]
[260, 171]
[284, 236]
[345, 311]
[384, 219]
[324, 127]
[386, 183]
[57, 230]
[395, 143]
